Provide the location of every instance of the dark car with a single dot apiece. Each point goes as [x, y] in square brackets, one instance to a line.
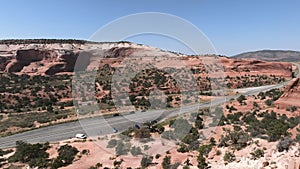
[153, 122]
[137, 126]
[116, 114]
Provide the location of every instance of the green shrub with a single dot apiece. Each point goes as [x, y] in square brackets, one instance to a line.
[229, 157]
[2, 153]
[122, 149]
[166, 164]
[284, 144]
[146, 161]
[235, 139]
[269, 102]
[298, 135]
[205, 149]
[202, 164]
[157, 156]
[241, 99]
[112, 143]
[258, 153]
[66, 155]
[135, 151]
[33, 154]
[183, 148]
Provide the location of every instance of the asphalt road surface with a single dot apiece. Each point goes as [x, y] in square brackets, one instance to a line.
[99, 126]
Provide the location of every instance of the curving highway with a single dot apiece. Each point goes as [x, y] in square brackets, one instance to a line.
[98, 126]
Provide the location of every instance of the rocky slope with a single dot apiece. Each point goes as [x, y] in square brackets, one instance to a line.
[46, 60]
[48, 57]
[290, 97]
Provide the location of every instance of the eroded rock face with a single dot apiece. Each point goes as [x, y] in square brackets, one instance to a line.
[26, 57]
[68, 62]
[116, 52]
[259, 67]
[45, 58]
[34, 55]
[291, 95]
[48, 58]
[4, 61]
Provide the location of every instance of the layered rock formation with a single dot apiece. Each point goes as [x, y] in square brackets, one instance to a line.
[291, 95]
[49, 57]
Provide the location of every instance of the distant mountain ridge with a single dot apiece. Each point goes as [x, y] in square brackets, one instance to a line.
[271, 55]
[52, 41]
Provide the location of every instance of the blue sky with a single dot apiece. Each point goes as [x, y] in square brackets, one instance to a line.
[233, 26]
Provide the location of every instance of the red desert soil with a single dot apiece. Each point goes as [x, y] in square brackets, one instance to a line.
[291, 96]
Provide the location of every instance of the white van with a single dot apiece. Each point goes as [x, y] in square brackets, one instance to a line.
[81, 136]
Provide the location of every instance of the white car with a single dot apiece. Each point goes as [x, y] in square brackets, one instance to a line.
[115, 130]
[81, 136]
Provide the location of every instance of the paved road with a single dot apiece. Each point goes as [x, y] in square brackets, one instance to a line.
[98, 126]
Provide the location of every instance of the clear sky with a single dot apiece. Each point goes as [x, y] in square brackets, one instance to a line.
[233, 26]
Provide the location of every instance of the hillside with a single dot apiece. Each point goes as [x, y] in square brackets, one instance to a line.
[271, 55]
[253, 131]
[36, 76]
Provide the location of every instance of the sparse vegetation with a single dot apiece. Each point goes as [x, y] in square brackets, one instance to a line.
[42, 99]
[34, 155]
[166, 164]
[122, 149]
[284, 144]
[146, 161]
[256, 154]
[112, 143]
[135, 151]
[235, 139]
[229, 157]
[66, 155]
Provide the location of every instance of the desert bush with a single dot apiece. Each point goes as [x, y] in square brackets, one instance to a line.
[166, 164]
[112, 143]
[146, 161]
[33, 154]
[298, 135]
[122, 149]
[229, 157]
[157, 156]
[117, 163]
[183, 148]
[235, 139]
[234, 118]
[269, 102]
[292, 108]
[218, 152]
[284, 144]
[205, 149]
[66, 155]
[255, 104]
[202, 164]
[142, 133]
[199, 122]
[241, 99]
[2, 153]
[256, 154]
[135, 151]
